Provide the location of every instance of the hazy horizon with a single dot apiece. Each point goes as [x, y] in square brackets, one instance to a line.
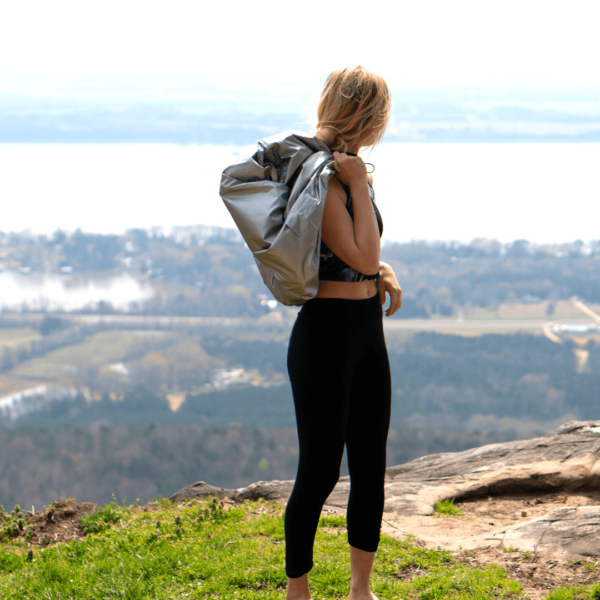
[218, 111]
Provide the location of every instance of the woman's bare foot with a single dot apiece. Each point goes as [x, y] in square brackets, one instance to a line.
[364, 594]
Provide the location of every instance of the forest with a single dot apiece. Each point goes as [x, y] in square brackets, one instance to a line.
[39, 465]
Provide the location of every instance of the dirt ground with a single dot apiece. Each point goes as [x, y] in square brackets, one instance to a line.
[60, 524]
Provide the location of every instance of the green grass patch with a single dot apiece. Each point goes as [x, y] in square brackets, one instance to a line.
[11, 523]
[575, 593]
[446, 508]
[332, 521]
[102, 519]
[202, 549]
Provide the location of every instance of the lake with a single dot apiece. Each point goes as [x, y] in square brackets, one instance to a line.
[47, 291]
[540, 192]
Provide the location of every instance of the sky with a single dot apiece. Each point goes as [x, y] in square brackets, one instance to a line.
[429, 43]
[532, 43]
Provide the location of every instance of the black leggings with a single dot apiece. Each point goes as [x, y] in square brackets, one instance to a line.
[340, 374]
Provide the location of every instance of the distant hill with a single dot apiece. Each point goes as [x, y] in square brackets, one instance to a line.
[185, 112]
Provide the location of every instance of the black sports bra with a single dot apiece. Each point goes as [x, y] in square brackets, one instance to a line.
[333, 268]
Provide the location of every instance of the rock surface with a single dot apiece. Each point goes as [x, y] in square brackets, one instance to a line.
[565, 460]
[564, 532]
[273, 491]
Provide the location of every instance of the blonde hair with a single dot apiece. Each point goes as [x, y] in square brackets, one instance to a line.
[353, 101]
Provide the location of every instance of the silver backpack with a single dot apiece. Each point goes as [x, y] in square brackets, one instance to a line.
[276, 198]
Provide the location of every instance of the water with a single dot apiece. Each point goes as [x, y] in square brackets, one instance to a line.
[46, 291]
[541, 192]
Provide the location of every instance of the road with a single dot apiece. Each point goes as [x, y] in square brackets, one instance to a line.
[275, 319]
[475, 325]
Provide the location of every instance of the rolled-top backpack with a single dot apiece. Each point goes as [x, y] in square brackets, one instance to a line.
[276, 198]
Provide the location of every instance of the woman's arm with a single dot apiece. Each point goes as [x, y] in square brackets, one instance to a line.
[353, 173]
[356, 242]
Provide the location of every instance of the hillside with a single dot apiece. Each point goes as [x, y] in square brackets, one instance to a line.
[205, 548]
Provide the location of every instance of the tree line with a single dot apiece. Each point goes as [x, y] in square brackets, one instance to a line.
[211, 272]
[40, 465]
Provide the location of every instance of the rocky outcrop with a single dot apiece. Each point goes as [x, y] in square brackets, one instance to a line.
[569, 532]
[274, 491]
[200, 489]
[565, 460]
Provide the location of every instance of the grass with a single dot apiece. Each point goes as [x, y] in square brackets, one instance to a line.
[204, 550]
[103, 519]
[574, 593]
[446, 508]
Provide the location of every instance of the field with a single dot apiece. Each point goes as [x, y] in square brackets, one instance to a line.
[544, 311]
[173, 361]
[101, 348]
[69, 365]
[11, 337]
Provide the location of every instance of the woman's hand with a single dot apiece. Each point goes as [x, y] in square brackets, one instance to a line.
[352, 169]
[387, 282]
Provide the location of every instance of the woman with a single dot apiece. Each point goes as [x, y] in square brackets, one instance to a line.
[337, 357]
